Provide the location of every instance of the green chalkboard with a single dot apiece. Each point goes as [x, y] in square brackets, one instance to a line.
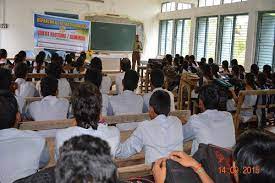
[112, 37]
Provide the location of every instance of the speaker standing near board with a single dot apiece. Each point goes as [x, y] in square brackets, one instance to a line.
[136, 53]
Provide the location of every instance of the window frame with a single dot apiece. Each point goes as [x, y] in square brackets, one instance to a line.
[176, 6]
[221, 3]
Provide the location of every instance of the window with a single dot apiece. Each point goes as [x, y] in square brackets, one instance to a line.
[183, 28]
[174, 36]
[203, 3]
[173, 6]
[205, 45]
[266, 40]
[232, 1]
[233, 38]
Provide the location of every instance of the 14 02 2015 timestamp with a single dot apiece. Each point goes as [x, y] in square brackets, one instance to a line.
[236, 170]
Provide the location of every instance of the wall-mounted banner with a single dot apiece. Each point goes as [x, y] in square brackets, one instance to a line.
[59, 33]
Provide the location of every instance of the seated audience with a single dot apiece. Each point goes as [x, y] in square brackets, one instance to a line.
[254, 69]
[55, 70]
[23, 56]
[225, 71]
[234, 62]
[94, 76]
[50, 107]
[267, 71]
[207, 75]
[86, 105]
[24, 88]
[184, 67]
[215, 71]
[211, 126]
[210, 61]
[4, 63]
[158, 137]
[125, 65]
[106, 83]
[128, 102]
[39, 64]
[22, 152]
[157, 81]
[85, 159]
[242, 71]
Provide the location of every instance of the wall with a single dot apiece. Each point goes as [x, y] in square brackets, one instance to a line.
[19, 16]
[251, 7]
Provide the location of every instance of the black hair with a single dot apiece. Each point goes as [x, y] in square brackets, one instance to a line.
[72, 55]
[236, 70]
[157, 78]
[39, 59]
[262, 79]
[203, 60]
[18, 59]
[8, 109]
[207, 71]
[255, 150]
[5, 79]
[185, 65]
[94, 76]
[267, 70]
[96, 63]
[42, 54]
[21, 70]
[210, 61]
[130, 80]
[49, 86]
[234, 62]
[54, 70]
[181, 60]
[125, 64]
[209, 95]
[187, 58]
[225, 64]
[86, 104]
[192, 58]
[160, 101]
[83, 55]
[68, 59]
[215, 70]
[254, 69]
[250, 80]
[177, 61]
[22, 54]
[3, 53]
[85, 159]
[169, 58]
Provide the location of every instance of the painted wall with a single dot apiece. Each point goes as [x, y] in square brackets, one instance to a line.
[251, 7]
[19, 16]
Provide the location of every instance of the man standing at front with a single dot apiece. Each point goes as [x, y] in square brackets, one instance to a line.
[137, 49]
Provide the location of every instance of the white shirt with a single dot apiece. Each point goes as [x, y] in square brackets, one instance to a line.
[210, 127]
[20, 152]
[119, 86]
[106, 84]
[21, 103]
[64, 88]
[49, 108]
[147, 96]
[25, 89]
[158, 138]
[109, 133]
[105, 105]
[126, 103]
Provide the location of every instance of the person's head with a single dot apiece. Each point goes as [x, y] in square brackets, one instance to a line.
[21, 70]
[96, 63]
[54, 57]
[68, 59]
[3, 54]
[176, 61]
[159, 104]
[181, 59]
[40, 58]
[73, 55]
[267, 70]
[177, 56]
[185, 65]
[157, 78]
[262, 79]
[169, 59]
[207, 71]
[186, 58]
[18, 59]
[130, 80]
[210, 61]
[250, 80]
[23, 55]
[85, 159]
[49, 86]
[125, 64]
[5, 79]
[203, 60]
[54, 70]
[208, 98]
[254, 69]
[42, 54]
[236, 71]
[234, 62]
[255, 150]
[9, 115]
[225, 65]
[94, 76]
[215, 69]
[83, 55]
[192, 58]
[86, 104]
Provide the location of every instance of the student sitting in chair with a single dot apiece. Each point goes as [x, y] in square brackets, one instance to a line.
[128, 102]
[158, 137]
[4, 63]
[24, 88]
[106, 83]
[50, 107]
[125, 65]
[157, 81]
[22, 152]
[86, 106]
[211, 126]
[94, 76]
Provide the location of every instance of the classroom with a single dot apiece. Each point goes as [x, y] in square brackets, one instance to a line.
[139, 91]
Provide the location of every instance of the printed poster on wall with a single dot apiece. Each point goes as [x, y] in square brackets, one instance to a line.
[59, 33]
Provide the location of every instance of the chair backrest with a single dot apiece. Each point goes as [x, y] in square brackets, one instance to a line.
[47, 125]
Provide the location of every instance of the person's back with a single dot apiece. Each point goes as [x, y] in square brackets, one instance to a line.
[125, 65]
[158, 137]
[128, 102]
[22, 152]
[212, 126]
[50, 107]
[86, 106]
